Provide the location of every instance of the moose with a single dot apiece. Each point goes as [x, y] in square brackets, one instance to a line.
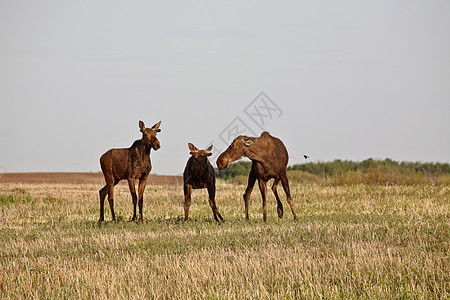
[199, 174]
[269, 160]
[129, 163]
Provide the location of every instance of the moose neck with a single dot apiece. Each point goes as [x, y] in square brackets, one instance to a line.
[257, 152]
[147, 148]
[144, 148]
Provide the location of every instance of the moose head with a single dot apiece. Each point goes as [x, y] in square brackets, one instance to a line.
[149, 135]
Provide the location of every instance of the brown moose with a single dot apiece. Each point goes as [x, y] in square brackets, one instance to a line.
[199, 174]
[131, 164]
[269, 160]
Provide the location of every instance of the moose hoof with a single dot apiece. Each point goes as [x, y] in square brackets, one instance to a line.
[280, 213]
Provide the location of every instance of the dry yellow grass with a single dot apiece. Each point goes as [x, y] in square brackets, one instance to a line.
[350, 242]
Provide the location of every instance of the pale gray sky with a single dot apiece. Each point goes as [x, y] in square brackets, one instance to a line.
[350, 79]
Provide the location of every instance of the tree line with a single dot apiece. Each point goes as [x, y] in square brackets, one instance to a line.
[369, 171]
[339, 167]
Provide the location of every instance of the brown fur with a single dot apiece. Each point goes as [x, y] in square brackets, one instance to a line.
[199, 174]
[131, 164]
[269, 160]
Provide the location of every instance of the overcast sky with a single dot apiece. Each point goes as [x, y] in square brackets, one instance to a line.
[340, 79]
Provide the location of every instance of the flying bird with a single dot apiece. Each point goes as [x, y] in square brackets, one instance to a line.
[305, 156]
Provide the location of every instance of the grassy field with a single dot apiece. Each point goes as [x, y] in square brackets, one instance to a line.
[372, 242]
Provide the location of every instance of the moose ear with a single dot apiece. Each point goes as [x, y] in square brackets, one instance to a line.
[208, 150]
[247, 142]
[141, 126]
[156, 127]
[192, 147]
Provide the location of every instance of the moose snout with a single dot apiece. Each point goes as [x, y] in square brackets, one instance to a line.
[156, 145]
[199, 171]
[221, 164]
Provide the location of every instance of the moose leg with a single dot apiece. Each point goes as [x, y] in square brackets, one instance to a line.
[111, 200]
[285, 183]
[187, 200]
[248, 191]
[103, 192]
[132, 186]
[212, 202]
[279, 204]
[263, 189]
[142, 184]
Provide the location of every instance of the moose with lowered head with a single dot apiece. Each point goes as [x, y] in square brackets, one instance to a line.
[269, 160]
[129, 163]
[199, 174]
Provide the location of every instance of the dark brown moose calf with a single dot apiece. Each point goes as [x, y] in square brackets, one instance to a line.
[199, 174]
[269, 160]
[131, 164]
